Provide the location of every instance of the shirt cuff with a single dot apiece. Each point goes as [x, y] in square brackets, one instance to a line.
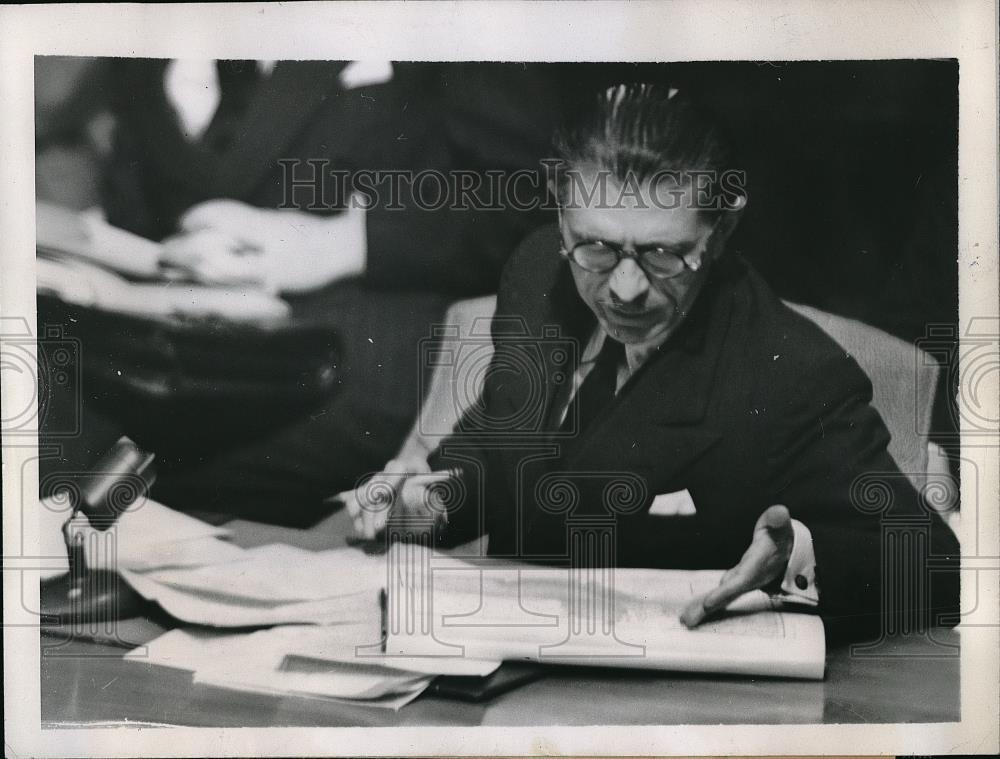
[799, 584]
[360, 257]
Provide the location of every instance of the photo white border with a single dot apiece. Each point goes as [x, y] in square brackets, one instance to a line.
[599, 31]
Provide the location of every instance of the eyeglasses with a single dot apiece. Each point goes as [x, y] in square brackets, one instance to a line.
[600, 257]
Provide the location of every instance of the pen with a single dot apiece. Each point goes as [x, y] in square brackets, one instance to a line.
[383, 603]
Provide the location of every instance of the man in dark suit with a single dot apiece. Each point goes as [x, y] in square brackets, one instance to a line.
[647, 379]
[242, 184]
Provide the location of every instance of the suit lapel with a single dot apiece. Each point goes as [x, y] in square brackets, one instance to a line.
[150, 113]
[655, 424]
[571, 324]
[550, 341]
[280, 109]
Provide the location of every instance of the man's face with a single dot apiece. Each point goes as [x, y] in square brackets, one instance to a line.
[631, 306]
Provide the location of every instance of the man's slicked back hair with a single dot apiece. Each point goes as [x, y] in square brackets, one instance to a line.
[637, 131]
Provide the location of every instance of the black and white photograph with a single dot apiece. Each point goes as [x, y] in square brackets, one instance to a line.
[510, 391]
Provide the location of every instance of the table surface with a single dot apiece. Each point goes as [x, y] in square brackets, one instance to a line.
[911, 679]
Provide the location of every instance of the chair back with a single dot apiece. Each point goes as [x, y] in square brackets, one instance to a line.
[903, 379]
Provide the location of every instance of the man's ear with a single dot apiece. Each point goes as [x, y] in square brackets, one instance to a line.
[553, 189]
[725, 225]
[732, 212]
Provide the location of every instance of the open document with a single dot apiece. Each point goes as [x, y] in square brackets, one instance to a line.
[587, 616]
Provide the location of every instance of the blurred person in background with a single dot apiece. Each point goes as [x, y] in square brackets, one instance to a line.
[227, 163]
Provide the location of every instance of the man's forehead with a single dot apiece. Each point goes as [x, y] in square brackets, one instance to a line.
[590, 188]
[638, 223]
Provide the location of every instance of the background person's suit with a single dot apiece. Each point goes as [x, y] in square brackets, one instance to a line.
[745, 406]
[427, 116]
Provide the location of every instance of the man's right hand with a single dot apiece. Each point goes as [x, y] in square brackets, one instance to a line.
[396, 489]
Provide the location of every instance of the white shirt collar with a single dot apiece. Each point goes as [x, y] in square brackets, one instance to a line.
[636, 354]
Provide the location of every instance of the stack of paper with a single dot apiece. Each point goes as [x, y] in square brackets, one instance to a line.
[341, 662]
[327, 603]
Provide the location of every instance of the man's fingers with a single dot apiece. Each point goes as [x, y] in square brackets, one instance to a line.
[718, 598]
[373, 520]
[775, 518]
[407, 466]
[216, 214]
[350, 500]
[211, 256]
[693, 613]
[762, 562]
[383, 488]
[179, 251]
[776, 537]
[376, 498]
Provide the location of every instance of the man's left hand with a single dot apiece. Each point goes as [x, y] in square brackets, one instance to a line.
[763, 563]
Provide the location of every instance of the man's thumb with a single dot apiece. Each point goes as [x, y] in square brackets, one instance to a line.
[775, 518]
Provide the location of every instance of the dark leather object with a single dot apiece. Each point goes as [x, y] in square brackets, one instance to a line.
[175, 361]
[510, 675]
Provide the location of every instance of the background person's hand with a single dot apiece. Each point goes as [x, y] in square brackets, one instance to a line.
[213, 256]
[279, 250]
[763, 563]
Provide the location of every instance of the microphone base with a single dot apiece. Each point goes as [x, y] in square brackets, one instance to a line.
[95, 597]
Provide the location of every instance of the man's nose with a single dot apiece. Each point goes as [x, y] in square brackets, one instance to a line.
[628, 282]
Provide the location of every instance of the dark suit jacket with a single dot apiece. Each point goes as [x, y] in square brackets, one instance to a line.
[429, 116]
[745, 406]
[469, 116]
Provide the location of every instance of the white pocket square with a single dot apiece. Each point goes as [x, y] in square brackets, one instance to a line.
[363, 73]
[679, 504]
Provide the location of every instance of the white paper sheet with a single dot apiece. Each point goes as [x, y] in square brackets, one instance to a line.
[257, 662]
[216, 610]
[624, 617]
[394, 701]
[340, 643]
[279, 573]
[193, 552]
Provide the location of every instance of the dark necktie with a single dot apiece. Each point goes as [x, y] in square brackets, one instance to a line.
[598, 388]
[238, 81]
